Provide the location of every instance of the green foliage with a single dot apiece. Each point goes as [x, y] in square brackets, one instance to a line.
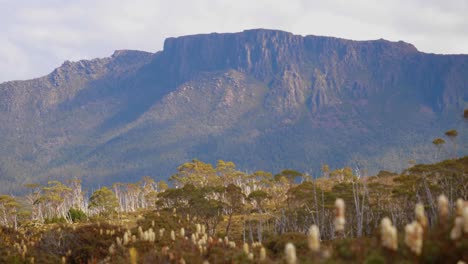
[342, 190]
[104, 201]
[384, 173]
[9, 210]
[344, 174]
[301, 194]
[275, 245]
[445, 167]
[55, 220]
[375, 259]
[451, 133]
[438, 141]
[85, 243]
[259, 197]
[76, 215]
[197, 173]
[290, 175]
[344, 250]
[164, 219]
[162, 185]
[195, 202]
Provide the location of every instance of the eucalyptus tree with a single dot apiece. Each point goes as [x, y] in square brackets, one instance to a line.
[77, 194]
[290, 175]
[343, 175]
[305, 206]
[201, 202]
[325, 171]
[360, 194]
[234, 203]
[32, 197]
[162, 186]
[197, 173]
[452, 135]
[132, 196]
[262, 179]
[226, 171]
[149, 192]
[9, 211]
[57, 199]
[257, 199]
[438, 142]
[104, 202]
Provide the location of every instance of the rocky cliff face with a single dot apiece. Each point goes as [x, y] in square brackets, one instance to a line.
[320, 70]
[265, 99]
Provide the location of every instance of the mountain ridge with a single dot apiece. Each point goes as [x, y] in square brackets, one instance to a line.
[265, 99]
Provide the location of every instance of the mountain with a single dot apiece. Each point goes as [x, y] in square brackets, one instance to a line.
[265, 99]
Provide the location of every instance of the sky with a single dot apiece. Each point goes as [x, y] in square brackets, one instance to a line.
[38, 36]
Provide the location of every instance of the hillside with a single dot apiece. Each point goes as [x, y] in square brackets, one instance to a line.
[264, 99]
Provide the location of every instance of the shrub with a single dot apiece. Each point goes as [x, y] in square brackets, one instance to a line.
[55, 220]
[375, 259]
[76, 215]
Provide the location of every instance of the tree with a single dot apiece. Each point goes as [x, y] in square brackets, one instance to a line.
[162, 186]
[303, 206]
[57, 199]
[227, 172]
[204, 203]
[359, 198]
[76, 215]
[132, 196]
[325, 171]
[9, 211]
[176, 198]
[234, 203]
[262, 179]
[209, 211]
[257, 197]
[150, 193]
[438, 142]
[343, 175]
[32, 197]
[77, 194]
[452, 135]
[104, 201]
[196, 172]
[290, 175]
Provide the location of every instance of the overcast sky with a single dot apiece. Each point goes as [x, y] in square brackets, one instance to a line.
[37, 36]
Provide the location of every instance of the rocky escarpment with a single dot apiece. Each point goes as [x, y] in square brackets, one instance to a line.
[319, 70]
[261, 53]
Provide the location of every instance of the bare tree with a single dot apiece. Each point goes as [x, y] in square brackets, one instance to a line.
[359, 196]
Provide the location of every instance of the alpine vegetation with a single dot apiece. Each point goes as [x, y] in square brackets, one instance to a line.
[221, 215]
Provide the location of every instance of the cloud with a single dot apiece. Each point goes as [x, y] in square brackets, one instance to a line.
[37, 36]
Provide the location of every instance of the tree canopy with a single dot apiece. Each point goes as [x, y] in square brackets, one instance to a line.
[104, 201]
